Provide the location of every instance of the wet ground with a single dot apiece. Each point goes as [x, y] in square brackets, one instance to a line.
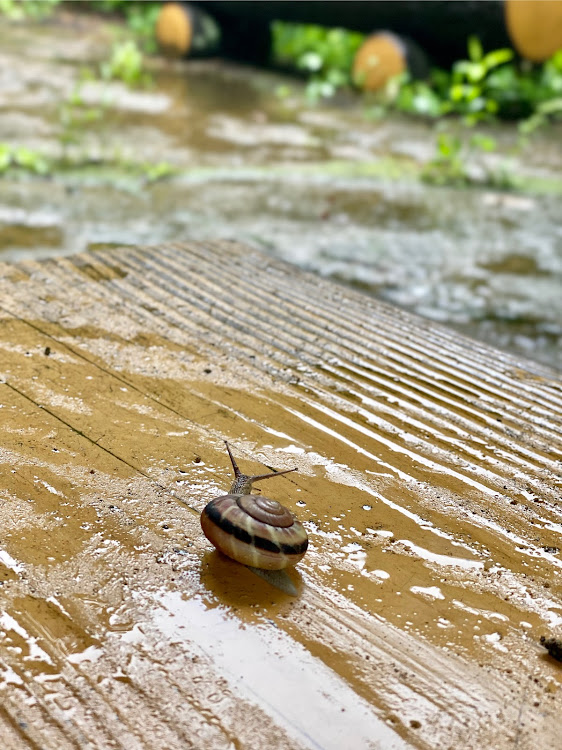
[322, 186]
[428, 482]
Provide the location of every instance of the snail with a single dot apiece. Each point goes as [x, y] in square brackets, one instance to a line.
[252, 529]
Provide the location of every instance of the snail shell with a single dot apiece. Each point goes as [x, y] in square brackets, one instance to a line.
[252, 529]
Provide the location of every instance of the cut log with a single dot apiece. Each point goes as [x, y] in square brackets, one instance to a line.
[183, 29]
[384, 55]
[535, 28]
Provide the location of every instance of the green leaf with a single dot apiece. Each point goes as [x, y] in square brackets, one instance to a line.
[475, 51]
[5, 157]
[497, 57]
[310, 61]
[483, 142]
[553, 106]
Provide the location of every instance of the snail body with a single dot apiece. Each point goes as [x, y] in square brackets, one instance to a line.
[252, 529]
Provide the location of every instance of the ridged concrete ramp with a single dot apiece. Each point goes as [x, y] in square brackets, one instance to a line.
[429, 481]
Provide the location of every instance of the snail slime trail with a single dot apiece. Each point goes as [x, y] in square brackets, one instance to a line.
[252, 529]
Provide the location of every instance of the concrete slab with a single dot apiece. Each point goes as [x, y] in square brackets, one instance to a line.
[429, 482]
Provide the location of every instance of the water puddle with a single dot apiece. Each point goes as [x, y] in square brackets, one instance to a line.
[265, 666]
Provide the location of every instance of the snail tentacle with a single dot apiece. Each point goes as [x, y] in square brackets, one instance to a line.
[242, 484]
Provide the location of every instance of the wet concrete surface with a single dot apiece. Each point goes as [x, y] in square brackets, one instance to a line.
[323, 186]
[429, 484]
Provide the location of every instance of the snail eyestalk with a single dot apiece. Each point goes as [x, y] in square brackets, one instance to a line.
[242, 484]
[237, 471]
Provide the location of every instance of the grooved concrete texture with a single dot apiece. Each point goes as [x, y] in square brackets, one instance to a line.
[429, 482]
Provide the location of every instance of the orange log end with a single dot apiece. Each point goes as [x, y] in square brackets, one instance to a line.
[174, 29]
[380, 57]
[535, 28]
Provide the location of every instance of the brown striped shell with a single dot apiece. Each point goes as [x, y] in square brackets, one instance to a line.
[252, 529]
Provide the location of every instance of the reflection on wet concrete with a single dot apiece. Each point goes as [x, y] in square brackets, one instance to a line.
[263, 664]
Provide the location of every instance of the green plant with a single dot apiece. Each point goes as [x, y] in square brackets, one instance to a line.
[548, 95]
[126, 64]
[459, 161]
[475, 84]
[475, 88]
[141, 19]
[140, 16]
[544, 112]
[159, 171]
[447, 166]
[484, 87]
[325, 55]
[23, 158]
[414, 97]
[75, 115]
[17, 10]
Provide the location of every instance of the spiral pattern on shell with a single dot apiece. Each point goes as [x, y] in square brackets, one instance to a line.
[254, 530]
